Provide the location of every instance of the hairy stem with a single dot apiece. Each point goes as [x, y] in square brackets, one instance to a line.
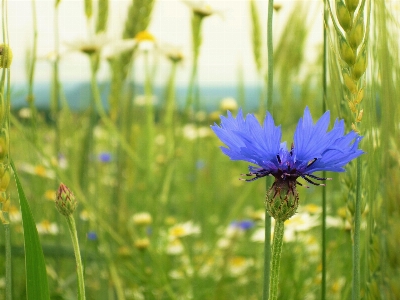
[275, 259]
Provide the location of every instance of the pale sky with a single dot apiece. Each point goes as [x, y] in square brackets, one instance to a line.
[226, 38]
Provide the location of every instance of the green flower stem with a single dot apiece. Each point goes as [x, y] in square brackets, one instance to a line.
[356, 237]
[275, 259]
[79, 266]
[267, 254]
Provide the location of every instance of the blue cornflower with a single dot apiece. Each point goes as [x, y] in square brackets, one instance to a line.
[243, 225]
[314, 149]
[91, 235]
[105, 157]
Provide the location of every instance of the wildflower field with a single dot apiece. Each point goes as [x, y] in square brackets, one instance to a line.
[119, 185]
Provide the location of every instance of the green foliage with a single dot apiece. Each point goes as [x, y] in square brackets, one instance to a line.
[36, 277]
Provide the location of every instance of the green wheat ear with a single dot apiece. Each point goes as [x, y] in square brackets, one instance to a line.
[352, 45]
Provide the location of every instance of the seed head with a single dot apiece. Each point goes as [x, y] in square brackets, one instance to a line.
[352, 5]
[361, 64]
[357, 33]
[4, 144]
[346, 52]
[349, 82]
[5, 180]
[65, 200]
[343, 15]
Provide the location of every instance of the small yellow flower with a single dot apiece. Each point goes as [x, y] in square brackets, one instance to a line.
[84, 215]
[142, 244]
[228, 103]
[49, 195]
[14, 214]
[144, 36]
[238, 265]
[142, 219]
[214, 116]
[175, 247]
[191, 132]
[46, 227]
[342, 212]
[183, 229]
[40, 170]
[312, 208]
[145, 40]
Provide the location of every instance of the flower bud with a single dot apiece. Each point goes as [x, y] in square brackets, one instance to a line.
[65, 200]
[343, 15]
[282, 199]
[345, 51]
[6, 56]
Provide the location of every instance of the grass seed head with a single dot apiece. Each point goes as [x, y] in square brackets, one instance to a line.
[3, 147]
[352, 5]
[343, 15]
[349, 82]
[361, 64]
[5, 180]
[357, 33]
[360, 96]
[346, 51]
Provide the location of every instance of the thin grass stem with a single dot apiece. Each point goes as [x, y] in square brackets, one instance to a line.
[270, 50]
[270, 87]
[356, 236]
[324, 93]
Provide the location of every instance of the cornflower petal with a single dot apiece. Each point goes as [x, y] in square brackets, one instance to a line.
[248, 140]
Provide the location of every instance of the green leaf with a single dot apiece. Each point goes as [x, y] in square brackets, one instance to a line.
[36, 278]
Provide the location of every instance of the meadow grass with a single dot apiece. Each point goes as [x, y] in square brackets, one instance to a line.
[161, 213]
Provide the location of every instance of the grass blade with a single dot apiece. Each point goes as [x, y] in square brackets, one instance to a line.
[36, 278]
